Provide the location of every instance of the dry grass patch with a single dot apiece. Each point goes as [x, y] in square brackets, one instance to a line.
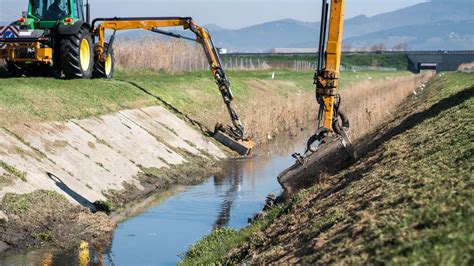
[154, 53]
[466, 68]
[371, 103]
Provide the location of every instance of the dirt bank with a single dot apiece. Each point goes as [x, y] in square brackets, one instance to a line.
[48, 218]
[407, 201]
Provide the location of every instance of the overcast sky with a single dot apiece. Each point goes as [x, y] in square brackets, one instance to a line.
[225, 13]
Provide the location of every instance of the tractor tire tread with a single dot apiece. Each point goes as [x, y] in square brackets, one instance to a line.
[99, 67]
[70, 55]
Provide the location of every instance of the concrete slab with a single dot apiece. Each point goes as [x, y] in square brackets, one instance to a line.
[162, 116]
[83, 158]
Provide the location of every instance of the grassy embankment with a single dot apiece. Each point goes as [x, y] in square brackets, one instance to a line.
[408, 202]
[47, 99]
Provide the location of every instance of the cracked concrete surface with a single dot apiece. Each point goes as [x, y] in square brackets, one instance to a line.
[94, 155]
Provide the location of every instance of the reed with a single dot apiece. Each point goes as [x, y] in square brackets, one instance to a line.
[153, 53]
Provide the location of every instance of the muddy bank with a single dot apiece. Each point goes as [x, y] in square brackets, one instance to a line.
[49, 219]
[46, 218]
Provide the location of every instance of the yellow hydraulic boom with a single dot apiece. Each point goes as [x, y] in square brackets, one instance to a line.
[231, 136]
[329, 148]
[327, 78]
[330, 119]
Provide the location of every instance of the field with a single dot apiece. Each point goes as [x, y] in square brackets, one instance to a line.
[409, 201]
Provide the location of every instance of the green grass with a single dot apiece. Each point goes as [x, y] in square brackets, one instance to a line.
[46, 99]
[15, 203]
[49, 99]
[13, 171]
[46, 236]
[213, 248]
[409, 203]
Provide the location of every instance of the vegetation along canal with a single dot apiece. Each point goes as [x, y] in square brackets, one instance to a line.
[164, 226]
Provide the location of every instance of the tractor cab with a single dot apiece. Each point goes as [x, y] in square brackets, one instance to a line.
[46, 14]
[49, 9]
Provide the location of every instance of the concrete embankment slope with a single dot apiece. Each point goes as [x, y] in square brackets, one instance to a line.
[408, 200]
[90, 161]
[94, 155]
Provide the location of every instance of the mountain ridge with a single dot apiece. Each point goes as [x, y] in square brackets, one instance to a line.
[293, 33]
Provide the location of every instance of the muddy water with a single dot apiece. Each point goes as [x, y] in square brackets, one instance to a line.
[157, 231]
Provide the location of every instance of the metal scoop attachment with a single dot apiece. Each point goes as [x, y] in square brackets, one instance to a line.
[233, 139]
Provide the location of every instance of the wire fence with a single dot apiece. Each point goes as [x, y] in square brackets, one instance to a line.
[176, 56]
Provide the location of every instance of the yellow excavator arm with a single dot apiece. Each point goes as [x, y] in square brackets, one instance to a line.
[231, 136]
[331, 120]
[327, 78]
[330, 147]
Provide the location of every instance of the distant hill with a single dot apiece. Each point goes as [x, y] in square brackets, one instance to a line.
[442, 35]
[432, 25]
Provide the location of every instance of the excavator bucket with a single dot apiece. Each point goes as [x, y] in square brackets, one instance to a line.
[326, 161]
[242, 147]
[228, 137]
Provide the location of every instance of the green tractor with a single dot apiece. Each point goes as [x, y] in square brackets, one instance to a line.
[56, 37]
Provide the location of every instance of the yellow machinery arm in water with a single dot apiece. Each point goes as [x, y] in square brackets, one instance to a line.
[231, 136]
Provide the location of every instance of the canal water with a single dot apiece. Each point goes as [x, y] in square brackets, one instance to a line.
[160, 230]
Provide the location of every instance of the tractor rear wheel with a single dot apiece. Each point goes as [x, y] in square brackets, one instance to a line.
[105, 69]
[77, 55]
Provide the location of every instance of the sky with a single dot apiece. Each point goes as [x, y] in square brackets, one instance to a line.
[231, 14]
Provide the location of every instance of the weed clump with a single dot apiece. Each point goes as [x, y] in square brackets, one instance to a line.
[13, 171]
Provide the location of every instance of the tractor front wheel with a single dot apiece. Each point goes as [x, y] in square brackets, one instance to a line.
[105, 69]
[77, 55]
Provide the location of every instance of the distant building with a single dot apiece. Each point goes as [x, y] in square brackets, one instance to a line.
[222, 50]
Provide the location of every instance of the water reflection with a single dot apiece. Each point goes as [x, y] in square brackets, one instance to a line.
[83, 255]
[225, 209]
[164, 228]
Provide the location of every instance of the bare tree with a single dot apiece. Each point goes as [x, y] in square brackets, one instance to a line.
[400, 47]
[378, 47]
